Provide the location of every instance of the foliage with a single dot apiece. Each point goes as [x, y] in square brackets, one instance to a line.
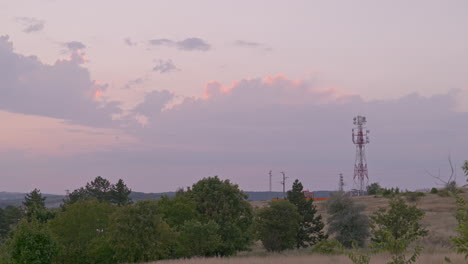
[226, 205]
[413, 196]
[177, 210]
[390, 192]
[311, 226]
[34, 206]
[328, 247]
[32, 244]
[102, 190]
[9, 218]
[120, 194]
[277, 225]
[374, 188]
[395, 228]
[434, 190]
[460, 242]
[139, 234]
[347, 220]
[198, 239]
[78, 226]
[465, 168]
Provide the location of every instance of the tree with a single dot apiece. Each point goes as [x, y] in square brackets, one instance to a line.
[34, 206]
[311, 226]
[99, 188]
[277, 225]
[139, 234]
[78, 227]
[32, 244]
[461, 240]
[198, 239]
[177, 210]
[395, 228]
[374, 189]
[226, 205]
[102, 190]
[9, 218]
[120, 193]
[465, 169]
[347, 221]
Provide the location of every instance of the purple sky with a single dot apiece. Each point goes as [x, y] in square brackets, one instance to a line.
[164, 93]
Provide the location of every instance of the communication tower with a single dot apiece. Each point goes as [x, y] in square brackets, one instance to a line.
[360, 139]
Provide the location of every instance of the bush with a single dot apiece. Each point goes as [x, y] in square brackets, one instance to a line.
[327, 247]
[278, 225]
[434, 190]
[347, 220]
[413, 196]
[374, 189]
[395, 228]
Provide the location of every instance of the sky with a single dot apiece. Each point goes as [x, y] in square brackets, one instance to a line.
[165, 93]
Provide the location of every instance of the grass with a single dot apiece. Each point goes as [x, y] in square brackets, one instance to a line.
[310, 259]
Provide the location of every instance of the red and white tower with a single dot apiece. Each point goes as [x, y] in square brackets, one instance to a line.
[360, 139]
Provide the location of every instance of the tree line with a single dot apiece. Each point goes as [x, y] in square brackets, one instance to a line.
[99, 223]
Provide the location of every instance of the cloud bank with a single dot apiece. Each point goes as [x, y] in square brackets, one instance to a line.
[31, 24]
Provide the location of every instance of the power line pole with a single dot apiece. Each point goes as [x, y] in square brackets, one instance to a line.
[284, 183]
[341, 184]
[271, 175]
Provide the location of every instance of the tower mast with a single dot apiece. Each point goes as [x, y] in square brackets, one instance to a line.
[360, 139]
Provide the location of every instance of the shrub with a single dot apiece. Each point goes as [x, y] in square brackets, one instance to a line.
[434, 190]
[198, 239]
[413, 196]
[328, 247]
[347, 220]
[395, 228]
[278, 225]
[374, 189]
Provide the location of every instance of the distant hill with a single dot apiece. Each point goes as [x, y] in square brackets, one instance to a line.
[54, 200]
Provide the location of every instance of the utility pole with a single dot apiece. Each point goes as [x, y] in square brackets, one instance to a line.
[284, 183]
[341, 183]
[271, 175]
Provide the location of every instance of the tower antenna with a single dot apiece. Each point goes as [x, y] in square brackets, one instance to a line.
[341, 183]
[360, 138]
[270, 176]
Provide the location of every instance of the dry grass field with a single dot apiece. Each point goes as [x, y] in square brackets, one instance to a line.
[439, 220]
[311, 259]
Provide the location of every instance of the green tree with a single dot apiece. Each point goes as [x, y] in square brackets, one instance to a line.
[277, 225]
[198, 239]
[465, 169]
[31, 243]
[139, 234]
[226, 205]
[78, 226]
[311, 226]
[374, 189]
[395, 228]
[100, 188]
[177, 210]
[347, 221]
[120, 193]
[9, 218]
[460, 242]
[34, 206]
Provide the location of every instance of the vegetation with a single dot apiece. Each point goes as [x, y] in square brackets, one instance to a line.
[347, 222]
[374, 188]
[226, 205]
[311, 225]
[395, 228]
[278, 225]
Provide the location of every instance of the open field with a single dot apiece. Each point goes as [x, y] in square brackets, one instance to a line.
[311, 259]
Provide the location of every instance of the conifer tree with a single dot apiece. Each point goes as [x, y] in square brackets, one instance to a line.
[120, 193]
[311, 226]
